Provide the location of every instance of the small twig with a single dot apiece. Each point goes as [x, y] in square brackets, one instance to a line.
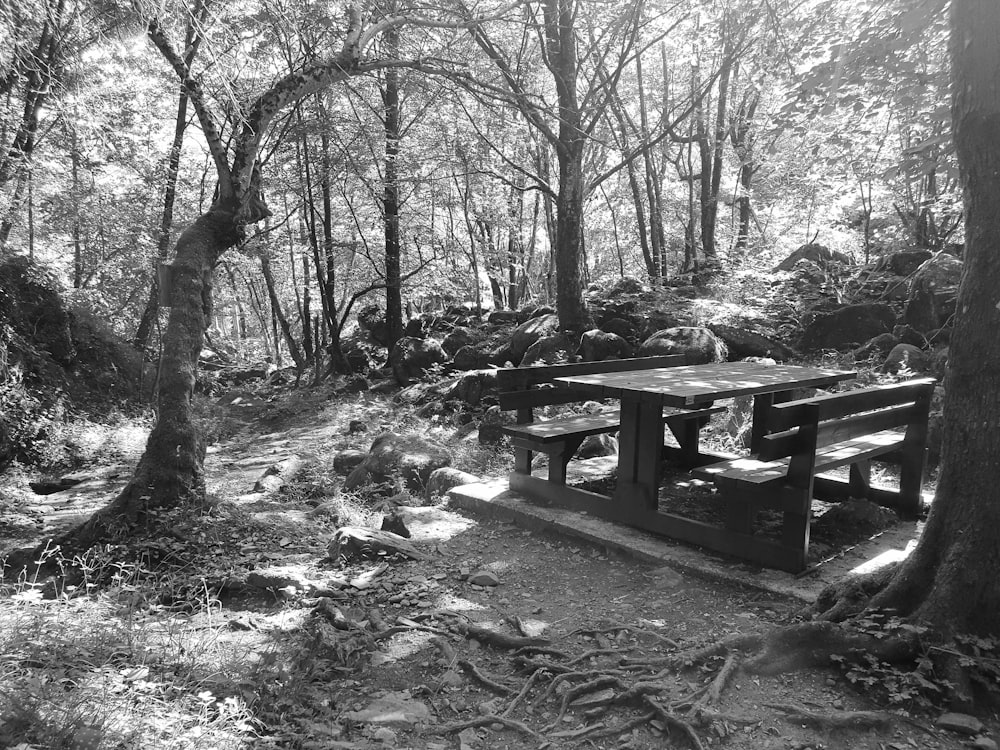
[485, 721]
[535, 676]
[548, 666]
[487, 682]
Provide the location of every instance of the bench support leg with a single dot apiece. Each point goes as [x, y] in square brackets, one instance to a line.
[522, 460]
[860, 479]
[559, 459]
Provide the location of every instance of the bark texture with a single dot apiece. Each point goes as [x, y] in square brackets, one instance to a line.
[951, 579]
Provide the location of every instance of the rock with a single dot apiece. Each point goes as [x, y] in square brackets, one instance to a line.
[699, 345]
[484, 578]
[619, 327]
[625, 285]
[961, 723]
[905, 356]
[815, 253]
[502, 317]
[657, 320]
[878, 347]
[984, 743]
[598, 445]
[904, 262]
[384, 735]
[279, 474]
[394, 524]
[933, 292]
[409, 457]
[743, 343]
[280, 577]
[443, 479]
[355, 384]
[392, 708]
[534, 311]
[473, 385]
[371, 320]
[847, 326]
[346, 461]
[471, 357]
[909, 335]
[357, 425]
[491, 427]
[529, 332]
[550, 350]
[456, 339]
[597, 345]
[356, 543]
[412, 357]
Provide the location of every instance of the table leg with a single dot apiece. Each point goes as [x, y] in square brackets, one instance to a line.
[762, 402]
[639, 443]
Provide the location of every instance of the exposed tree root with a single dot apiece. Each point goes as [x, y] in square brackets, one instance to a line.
[498, 639]
[626, 726]
[721, 679]
[487, 682]
[674, 722]
[485, 721]
[839, 720]
[851, 596]
[519, 698]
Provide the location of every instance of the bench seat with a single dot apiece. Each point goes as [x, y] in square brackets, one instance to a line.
[584, 425]
[809, 436]
[749, 469]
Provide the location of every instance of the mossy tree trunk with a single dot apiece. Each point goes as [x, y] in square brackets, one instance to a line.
[951, 578]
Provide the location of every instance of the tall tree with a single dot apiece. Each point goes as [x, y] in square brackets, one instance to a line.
[950, 579]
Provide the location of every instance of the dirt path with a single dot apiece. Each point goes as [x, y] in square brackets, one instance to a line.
[398, 653]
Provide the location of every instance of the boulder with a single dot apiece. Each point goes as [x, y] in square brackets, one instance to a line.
[625, 285]
[529, 332]
[699, 345]
[744, 343]
[904, 262]
[657, 320]
[471, 357]
[618, 326]
[550, 350]
[909, 335]
[879, 346]
[409, 457]
[412, 357]
[459, 337]
[597, 345]
[905, 356]
[598, 445]
[533, 311]
[821, 255]
[847, 326]
[471, 386]
[933, 292]
[371, 320]
[502, 317]
[345, 461]
[445, 478]
[937, 363]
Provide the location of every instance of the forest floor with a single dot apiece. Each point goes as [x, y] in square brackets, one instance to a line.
[238, 630]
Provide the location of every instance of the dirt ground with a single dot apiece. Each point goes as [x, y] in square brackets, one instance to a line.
[391, 652]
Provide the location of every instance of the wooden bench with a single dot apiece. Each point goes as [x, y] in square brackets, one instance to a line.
[526, 388]
[809, 436]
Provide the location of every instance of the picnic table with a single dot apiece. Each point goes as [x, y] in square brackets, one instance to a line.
[643, 394]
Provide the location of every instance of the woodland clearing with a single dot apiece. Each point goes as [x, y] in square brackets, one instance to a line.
[239, 631]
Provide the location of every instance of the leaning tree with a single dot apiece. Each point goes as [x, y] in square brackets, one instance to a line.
[170, 473]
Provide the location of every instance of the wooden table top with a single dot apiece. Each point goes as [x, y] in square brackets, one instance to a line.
[698, 384]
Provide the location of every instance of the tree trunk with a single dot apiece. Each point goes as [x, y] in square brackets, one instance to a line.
[569, 239]
[390, 203]
[950, 580]
[170, 473]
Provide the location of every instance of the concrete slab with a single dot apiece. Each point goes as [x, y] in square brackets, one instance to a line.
[494, 499]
